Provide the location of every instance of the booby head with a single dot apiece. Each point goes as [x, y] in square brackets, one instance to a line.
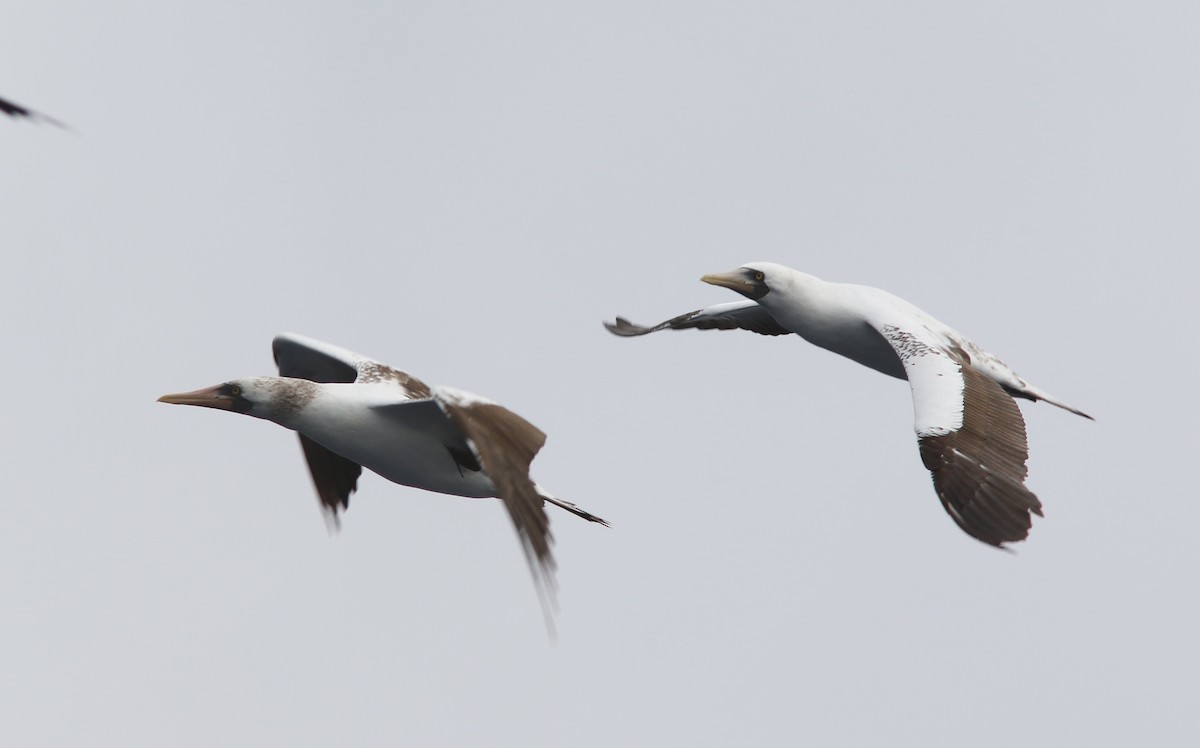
[227, 396]
[754, 280]
[261, 397]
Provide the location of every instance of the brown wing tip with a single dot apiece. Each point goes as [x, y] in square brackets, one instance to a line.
[997, 518]
[333, 519]
[625, 328]
[16, 111]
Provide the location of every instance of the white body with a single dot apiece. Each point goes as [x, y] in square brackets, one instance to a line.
[854, 321]
[360, 423]
[970, 432]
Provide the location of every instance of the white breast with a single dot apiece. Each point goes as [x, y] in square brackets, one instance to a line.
[342, 420]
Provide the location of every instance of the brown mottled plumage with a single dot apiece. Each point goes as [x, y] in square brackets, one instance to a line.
[352, 412]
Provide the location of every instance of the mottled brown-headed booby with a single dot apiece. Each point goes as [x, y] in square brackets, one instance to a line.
[352, 412]
[969, 430]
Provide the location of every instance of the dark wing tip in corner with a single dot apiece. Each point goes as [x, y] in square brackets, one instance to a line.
[333, 476]
[15, 110]
[625, 328]
[979, 470]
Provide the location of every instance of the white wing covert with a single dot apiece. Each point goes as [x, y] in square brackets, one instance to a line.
[971, 437]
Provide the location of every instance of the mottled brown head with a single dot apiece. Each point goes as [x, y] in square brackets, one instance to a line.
[273, 398]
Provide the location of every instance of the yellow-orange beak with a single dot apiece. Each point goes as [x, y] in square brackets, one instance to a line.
[209, 397]
[740, 280]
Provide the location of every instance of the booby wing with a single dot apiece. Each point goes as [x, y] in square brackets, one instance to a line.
[505, 444]
[306, 358]
[300, 357]
[14, 109]
[971, 437]
[334, 477]
[745, 315]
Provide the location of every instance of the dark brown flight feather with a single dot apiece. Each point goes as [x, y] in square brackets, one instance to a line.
[506, 444]
[334, 477]
[753, 318]
[979, 470]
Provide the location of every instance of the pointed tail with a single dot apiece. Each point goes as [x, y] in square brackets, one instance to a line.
[568, 506]
[1067, 408]
[1030, 392]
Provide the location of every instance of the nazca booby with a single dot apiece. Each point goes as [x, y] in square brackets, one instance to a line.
[352, 412]
[969, 430]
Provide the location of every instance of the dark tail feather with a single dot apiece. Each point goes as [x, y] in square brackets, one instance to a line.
[569, 506]
[1037, 395]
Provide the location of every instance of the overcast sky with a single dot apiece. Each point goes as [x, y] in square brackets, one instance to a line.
[465, 191]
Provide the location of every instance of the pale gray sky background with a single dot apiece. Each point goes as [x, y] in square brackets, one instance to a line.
[465, 190]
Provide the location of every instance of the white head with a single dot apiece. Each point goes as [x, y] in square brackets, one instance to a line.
[755, 280]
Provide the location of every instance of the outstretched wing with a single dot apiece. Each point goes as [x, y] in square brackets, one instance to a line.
[302, 357]
[744, 315]
[334, 477]
[971, 437]
[505, 444]
[307, 358]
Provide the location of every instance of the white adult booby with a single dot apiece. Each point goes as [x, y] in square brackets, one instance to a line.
[15, 110]
[352, 412]
[969, 429]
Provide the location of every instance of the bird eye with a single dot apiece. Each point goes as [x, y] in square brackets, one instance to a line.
[758, 276]
[235, 391]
